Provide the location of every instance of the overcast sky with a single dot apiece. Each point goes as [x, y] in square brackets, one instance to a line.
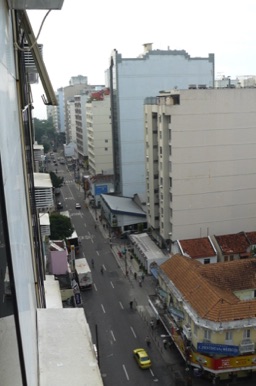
[79, 39]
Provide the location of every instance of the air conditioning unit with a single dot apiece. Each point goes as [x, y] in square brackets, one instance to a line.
[35, 4]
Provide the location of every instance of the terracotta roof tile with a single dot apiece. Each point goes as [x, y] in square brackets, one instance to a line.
[233, 244]
[251, 237]
[196, 248]
[209, 288]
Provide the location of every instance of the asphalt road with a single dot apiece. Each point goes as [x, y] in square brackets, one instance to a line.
[114, 326]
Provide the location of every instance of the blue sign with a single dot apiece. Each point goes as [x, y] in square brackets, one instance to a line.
[78, 299]
[217, 349]
[101, 189]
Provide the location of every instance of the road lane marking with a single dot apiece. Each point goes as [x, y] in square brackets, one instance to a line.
[97, 253]
[135, 336]
[121, 305]
[152, 372]
[113, 336]
[103, 309]
[126, 374]
[112, 285]
[95, 287]
[104, 267]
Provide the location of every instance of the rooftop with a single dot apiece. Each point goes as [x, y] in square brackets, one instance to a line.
[42, 180]
[197, 248]
[233, 244]
[122, 205]
[209, 289]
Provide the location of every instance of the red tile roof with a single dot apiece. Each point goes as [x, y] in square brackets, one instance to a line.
[233, 244]
[210, 288]
[251, 237]
[196, 248]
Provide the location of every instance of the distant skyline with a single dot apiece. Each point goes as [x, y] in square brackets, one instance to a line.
[79, 39]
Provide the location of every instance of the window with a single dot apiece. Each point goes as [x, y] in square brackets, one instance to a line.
[195, 330]
[8, 306]
[106, 140]
[229, 336]
[106, 149]
[206, 261]
[207, 335]
[246, 334]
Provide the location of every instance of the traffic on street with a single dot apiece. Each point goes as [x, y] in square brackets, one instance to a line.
[117, 328]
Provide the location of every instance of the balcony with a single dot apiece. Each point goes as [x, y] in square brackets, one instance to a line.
[187, 331]
[246, 346]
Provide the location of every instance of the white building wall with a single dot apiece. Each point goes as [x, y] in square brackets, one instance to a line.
[100, 136]
[211, 163]
[138, 78]
[15, 198]
[71, 121]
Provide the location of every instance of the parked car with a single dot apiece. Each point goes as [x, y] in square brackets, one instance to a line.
[78, 206]
[142, 358]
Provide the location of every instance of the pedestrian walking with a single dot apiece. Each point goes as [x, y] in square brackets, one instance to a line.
[152, 324]
[142, 277]
[92, 263]
[135, 275]
[95, 226]
[165, 343]
[148, 341]
[140, 282]
[102, 269]
[131, 304]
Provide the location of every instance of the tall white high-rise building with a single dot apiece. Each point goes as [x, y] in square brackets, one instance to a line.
[200, 162]
[131, 81]
[99, 132]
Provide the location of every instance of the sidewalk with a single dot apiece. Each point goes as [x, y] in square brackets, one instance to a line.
[139, 295]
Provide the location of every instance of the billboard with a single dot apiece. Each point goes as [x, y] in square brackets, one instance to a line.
[101, 189]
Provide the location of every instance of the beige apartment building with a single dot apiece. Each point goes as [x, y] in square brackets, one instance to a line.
[99, 133]
[200, 163]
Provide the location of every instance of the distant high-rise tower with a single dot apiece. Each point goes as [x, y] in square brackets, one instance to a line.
[131, 81]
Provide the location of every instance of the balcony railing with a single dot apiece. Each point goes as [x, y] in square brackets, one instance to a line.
[246, 346]
[187, 332]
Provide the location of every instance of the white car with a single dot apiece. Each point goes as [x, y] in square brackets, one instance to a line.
[78, 206]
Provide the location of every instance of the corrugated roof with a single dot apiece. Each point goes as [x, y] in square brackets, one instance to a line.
[210, 288]
[122, 205]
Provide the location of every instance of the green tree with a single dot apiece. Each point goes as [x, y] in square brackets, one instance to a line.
[61, 226]
[57, 182]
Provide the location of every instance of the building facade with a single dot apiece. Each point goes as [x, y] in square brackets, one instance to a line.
[199, 162]
[99, 133]
[131, 81]
[33, 335]
[209, 313]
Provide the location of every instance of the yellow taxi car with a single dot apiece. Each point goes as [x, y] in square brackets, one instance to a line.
[142, 358]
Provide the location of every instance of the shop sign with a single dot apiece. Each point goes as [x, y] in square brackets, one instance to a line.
[217, 349]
